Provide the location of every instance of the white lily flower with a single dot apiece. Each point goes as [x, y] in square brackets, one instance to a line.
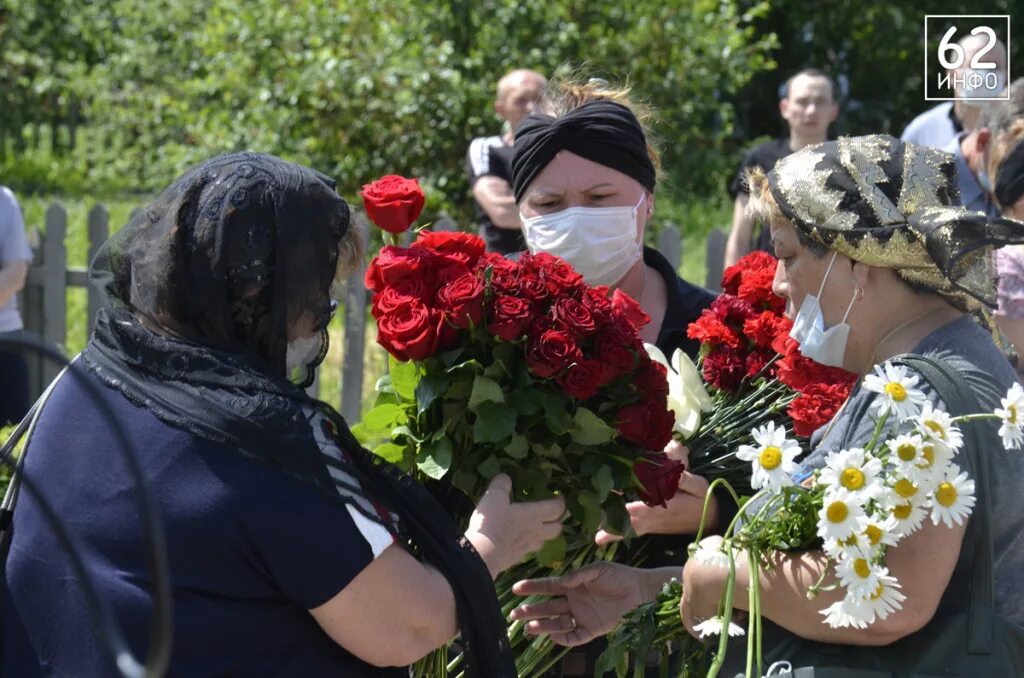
[687, 397]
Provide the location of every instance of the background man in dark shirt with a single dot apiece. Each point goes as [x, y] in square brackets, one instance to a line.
[489, 163]
[808, 106]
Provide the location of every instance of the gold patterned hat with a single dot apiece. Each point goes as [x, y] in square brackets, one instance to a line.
[892, 204]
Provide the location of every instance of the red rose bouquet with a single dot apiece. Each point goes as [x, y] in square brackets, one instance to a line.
[517, 367]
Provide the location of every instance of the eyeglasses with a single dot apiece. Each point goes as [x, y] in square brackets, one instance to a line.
[325, 318]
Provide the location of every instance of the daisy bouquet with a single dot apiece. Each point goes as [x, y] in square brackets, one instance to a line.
[861, 503]
[516, 367]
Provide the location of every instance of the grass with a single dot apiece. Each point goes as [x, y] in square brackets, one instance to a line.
[695, 219]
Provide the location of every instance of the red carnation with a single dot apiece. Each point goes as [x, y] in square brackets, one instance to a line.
[659, 478]
[756, 289]
[574, 316]
[756, 361]
[410, 331]
[462, 247]
[583, 379]
[816, 406]
[509, 317]
[462, 300]
[733, 311]
[550, 351]
[393, 203]
[724, 369]
[709, 329]
[647, 424]
[763, 329]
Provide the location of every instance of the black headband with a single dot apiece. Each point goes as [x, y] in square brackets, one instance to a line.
[1009, 185]
[605, 132]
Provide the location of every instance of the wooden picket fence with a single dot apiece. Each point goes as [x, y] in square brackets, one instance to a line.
[43, 302]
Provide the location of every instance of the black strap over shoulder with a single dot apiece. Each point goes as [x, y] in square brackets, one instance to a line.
[960, 400]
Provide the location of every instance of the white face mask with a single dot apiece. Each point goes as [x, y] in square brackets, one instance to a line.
[301, 352]
[601, 243]
[825, 346]
[985, 87]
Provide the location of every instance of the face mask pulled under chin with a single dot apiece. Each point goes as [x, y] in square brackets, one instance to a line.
[308, 353]
[824, 346]
[601, 243]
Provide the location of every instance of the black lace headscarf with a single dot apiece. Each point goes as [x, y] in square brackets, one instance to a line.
[200, 290]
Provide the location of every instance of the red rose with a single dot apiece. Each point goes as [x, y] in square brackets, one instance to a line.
[550, 351]
[394, 296]
[531, 287]
[509, 317]
[410, 331]
[395, 264]
[627, 306]
[651, 378]
[724, 369]
[462, 300]
[763, 329]
[574, 316]
[619, 359]
[598, 304]
[463, 247]
[646, 424]
[583, 379]
[393, 203]
[659, 478]
[816, 406]
[709, 329]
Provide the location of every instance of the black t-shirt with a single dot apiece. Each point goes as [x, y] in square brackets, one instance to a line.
[492, 157]
[764, 156]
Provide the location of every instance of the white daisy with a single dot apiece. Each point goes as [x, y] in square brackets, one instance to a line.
[841, 515]
[935, 459]
[713, 627]
[846, 613]
[853, 470]
[859, 575]
[1012, 415]
[896, 390]
[903, 489]
[881, 532]
[907, 450]
[773, 458]
[953, 498]
[908, 516]
[883, 601]
[709, 552]
[937, 425]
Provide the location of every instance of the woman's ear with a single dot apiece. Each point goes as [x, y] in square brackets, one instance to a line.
[862, 275]
[650, 205]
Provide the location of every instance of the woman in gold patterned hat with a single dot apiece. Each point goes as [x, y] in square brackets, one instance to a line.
[871, 226]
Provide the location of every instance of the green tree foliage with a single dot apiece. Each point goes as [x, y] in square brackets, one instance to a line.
[358, 88]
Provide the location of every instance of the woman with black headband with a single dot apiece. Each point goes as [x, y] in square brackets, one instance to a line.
[872, 227]
[584, 177]
[287, 541]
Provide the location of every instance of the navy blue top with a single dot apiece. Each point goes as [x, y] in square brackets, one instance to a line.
[251, 551]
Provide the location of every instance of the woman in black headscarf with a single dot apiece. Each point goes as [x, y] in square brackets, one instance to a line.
[288, 543]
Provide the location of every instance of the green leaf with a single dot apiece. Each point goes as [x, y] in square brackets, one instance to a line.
[489, 467]
[390, 452]
[558, 420]
[518, 447]
[381, 417]
[616, 517]
[485, 390]
[589, 429]
[404, 377]
[591, 519]
[603, 482]
[494, 422]
[436, 458]
[526, 401]
[553, 450]
[460, 389]
[552, 553]
[388, 397]
[430, 388]
[384, 386]
[405, 431]
[449, 357]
